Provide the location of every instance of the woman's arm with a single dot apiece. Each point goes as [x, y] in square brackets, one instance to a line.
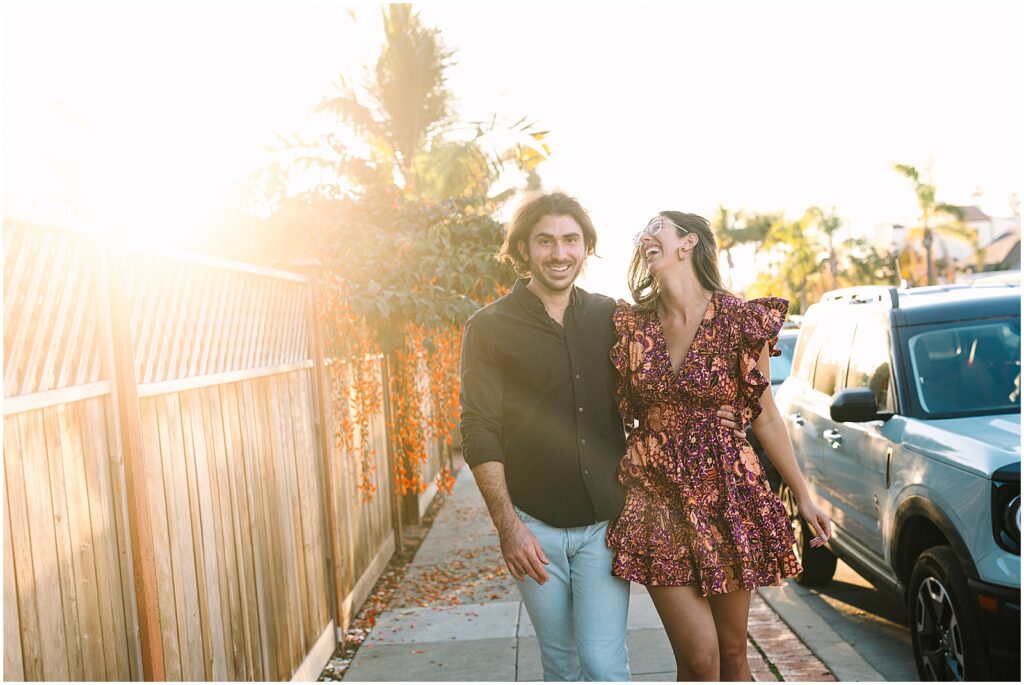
[771, 431]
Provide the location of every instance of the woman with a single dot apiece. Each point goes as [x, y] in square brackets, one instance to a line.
[701, 528]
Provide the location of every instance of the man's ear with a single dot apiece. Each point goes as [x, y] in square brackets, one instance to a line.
[523, 254]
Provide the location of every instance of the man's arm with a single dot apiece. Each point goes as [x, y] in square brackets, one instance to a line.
[481, 423]
[522, 553]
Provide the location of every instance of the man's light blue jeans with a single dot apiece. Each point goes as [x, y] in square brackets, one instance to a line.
[580, 613]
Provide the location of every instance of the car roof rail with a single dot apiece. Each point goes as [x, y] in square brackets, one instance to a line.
[865, 294]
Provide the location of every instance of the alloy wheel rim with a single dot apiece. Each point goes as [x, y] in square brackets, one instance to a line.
[938, 631]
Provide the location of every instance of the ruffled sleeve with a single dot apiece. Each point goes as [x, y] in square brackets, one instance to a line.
[760, 322]
[625, 327]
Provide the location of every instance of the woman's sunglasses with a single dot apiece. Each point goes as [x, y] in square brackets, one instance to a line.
[654, 226]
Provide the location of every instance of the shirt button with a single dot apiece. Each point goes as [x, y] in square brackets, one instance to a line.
[577, 376]
[583, 441]
[586, 472]
[581, 410]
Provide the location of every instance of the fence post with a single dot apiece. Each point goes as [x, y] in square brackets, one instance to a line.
[312, 269]
[120, 360]
[394, 454]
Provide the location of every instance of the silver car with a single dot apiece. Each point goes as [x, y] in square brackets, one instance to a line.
[904, 411]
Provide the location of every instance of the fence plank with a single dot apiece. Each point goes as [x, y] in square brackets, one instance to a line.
[99, 429]
[195, 507]
[209, 512]
[65, 587]
[14, 664]
[313, 553]
[82, 541]
[263, 548]
[236, 466]
[43, 545]
[109, 590]
[224, 544]
[268, 491]
[288, 460]
[27, 585]
[154, 438]
[186, 586]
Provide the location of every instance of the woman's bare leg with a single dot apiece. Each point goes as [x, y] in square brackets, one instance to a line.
[730, 613]
[691, 630]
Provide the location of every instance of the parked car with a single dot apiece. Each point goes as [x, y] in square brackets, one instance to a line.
[780, 368]
[904, 411]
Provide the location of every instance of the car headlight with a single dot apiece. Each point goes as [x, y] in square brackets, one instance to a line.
[1006, 508]
[1013, 519]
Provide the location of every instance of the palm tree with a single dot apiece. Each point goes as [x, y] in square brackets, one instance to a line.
[828, 224]
[404, 116]
[728, 234]
[931, 209]
[792, 239]
[406, 101]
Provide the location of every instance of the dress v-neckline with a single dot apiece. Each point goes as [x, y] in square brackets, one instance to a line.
[675, 373]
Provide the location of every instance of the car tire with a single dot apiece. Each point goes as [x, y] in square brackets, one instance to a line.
[819, 564]
[945, 628]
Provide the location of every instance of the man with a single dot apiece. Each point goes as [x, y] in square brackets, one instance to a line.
[542, 433]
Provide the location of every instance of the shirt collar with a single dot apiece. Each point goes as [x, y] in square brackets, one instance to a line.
[532, 303]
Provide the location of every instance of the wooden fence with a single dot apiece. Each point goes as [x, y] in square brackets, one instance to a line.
[174, 507]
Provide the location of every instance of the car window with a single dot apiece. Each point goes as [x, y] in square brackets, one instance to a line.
[835, 351]
[781, 365]
[869, 363]
[806, 352]
[966, 369]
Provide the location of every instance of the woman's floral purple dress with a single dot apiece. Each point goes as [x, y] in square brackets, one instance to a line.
[699, 510]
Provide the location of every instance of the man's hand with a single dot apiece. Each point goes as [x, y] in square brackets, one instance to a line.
[523, 554]
[727, 417]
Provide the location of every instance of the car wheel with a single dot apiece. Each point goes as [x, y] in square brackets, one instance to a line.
[819, 563]
[944, 625]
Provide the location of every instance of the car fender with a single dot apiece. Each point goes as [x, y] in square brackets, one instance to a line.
[917, 505]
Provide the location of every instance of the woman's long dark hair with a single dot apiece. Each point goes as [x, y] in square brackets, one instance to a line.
[646, 289]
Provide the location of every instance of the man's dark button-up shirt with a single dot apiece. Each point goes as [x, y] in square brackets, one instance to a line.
[540, 398]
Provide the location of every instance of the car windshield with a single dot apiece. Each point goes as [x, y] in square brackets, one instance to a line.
[781, 365]
[967, 369]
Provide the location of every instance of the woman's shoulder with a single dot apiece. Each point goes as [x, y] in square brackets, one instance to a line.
[627, 316]
[756, 306]
[624, 316]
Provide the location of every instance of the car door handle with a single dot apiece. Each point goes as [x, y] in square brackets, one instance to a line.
[833, 436]
[797, 418]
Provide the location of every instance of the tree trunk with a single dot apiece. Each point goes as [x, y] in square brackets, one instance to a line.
[928, 238]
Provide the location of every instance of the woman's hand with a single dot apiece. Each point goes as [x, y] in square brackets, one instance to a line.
[818, 521]
[728, 416]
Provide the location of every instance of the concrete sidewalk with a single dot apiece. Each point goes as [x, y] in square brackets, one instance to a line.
[458, 617]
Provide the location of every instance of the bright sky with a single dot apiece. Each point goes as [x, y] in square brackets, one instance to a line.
[146, 116]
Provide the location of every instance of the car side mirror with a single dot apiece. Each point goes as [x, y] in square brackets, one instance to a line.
[855, 405]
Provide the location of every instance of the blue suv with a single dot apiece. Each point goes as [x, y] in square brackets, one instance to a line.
[903, 407]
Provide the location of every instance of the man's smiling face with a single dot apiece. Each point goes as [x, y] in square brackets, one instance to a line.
[555, 252]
